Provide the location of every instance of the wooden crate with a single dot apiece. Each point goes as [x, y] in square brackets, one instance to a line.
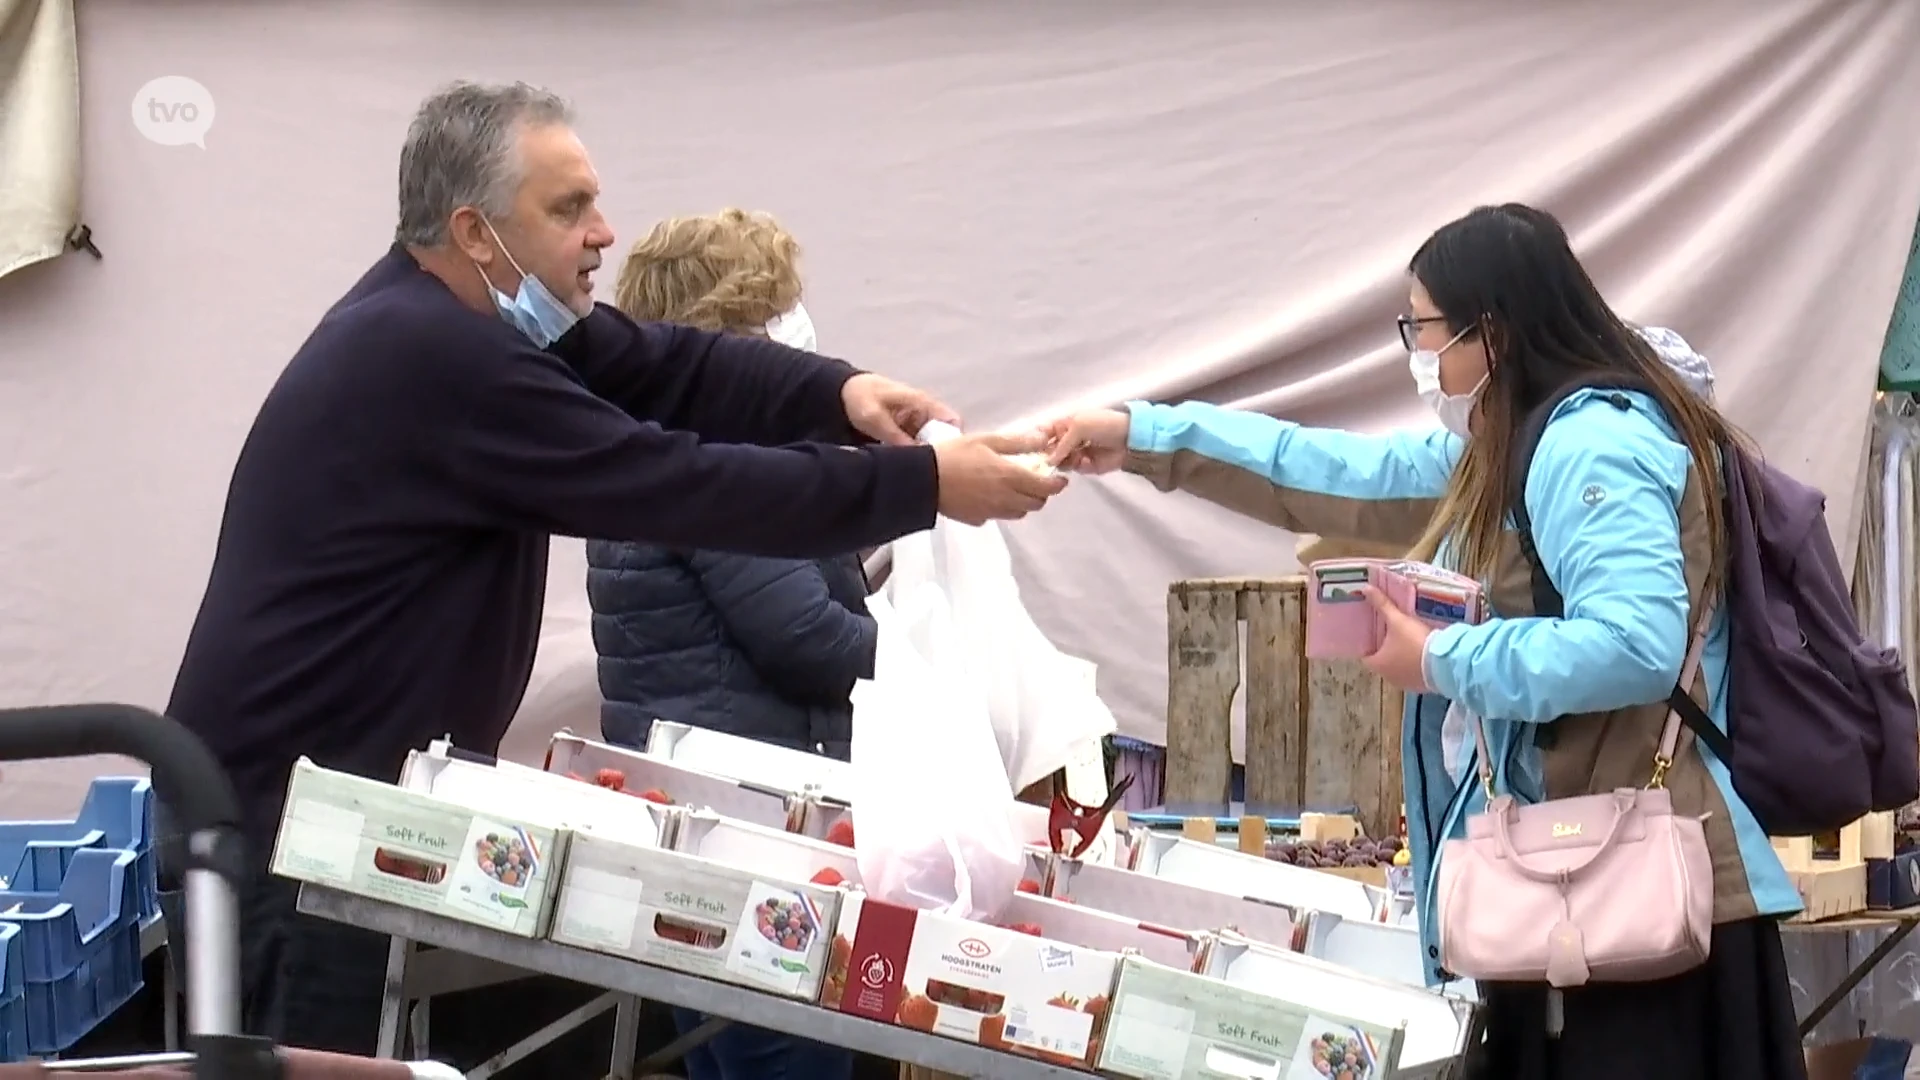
[1832, 888]
[1317, 732]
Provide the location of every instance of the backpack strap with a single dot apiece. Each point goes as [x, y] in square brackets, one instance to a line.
[1698, 722]
[1547, 601]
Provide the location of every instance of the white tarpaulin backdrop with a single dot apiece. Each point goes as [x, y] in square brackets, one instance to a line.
[39, 130]
[1023, 207]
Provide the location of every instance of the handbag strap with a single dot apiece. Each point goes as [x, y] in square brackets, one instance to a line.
[1669, 734]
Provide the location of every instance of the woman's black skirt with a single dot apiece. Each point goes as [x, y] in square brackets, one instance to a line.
[1731, 1019]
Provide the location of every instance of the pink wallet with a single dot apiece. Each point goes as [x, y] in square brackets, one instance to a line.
[1342, 625]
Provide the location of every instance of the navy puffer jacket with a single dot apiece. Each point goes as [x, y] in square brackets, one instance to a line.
[762, 648]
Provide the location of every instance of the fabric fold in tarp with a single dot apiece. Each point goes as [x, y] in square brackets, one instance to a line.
[39, 131]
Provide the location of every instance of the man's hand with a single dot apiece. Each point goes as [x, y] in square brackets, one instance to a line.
[891, 412]
[1094, 441]
[981, 482]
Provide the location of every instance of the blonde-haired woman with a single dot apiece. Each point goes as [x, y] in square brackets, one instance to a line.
[768, 649]
[733, 272]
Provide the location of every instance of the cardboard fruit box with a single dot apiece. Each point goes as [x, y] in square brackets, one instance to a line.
[1161, 901]
[1175, 1025]
[707, 835]
[1206, 866]
[1345, 829]
[774, 768]
[504, 786]
[817, 789]
[1374, 949]
[1438, 1027]
[696, 915]
[1376, 876]
[970, 981]
[422, 851]
[669, 782]
[1057, 920]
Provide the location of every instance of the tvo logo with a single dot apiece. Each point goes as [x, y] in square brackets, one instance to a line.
[173, 110]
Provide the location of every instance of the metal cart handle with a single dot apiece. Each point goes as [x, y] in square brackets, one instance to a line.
[196, 791]
[185, 774]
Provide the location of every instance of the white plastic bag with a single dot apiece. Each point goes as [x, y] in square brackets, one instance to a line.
[1044, 710]
[932, 824]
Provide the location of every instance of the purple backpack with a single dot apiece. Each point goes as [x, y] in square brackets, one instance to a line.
[1822, 727]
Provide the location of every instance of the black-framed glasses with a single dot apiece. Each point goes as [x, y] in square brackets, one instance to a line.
[1410, 328]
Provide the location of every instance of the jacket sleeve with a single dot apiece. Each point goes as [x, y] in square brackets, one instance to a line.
[805, 645]
[1343, 484]
[1604, 494]
[722, 387]
[525, 444]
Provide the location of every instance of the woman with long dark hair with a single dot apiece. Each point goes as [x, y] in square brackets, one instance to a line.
[1624, 494]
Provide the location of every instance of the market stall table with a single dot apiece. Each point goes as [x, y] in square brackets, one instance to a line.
[633, 980]
[1901, 922]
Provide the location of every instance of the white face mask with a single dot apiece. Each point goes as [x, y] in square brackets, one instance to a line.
[1454, 410]
[794, 329]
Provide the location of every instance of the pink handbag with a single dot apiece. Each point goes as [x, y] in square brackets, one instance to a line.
[1596, 888]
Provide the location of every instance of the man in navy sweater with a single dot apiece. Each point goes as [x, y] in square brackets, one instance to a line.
[382, 560]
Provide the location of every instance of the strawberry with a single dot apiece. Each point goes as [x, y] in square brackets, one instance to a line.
[1028, 885]
[828, 876]
[655, 795]
[612, 779]
[841, 832]
[1024, 928]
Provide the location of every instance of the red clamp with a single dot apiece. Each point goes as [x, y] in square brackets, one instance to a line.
[1084, 822]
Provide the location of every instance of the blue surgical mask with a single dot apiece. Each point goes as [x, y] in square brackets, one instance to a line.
[533, 309]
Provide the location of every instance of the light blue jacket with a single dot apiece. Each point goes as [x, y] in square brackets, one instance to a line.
[1609, 494]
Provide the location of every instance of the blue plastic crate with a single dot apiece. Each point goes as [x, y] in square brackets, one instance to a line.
[13, 996]
[79, 946]
[118, 815]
